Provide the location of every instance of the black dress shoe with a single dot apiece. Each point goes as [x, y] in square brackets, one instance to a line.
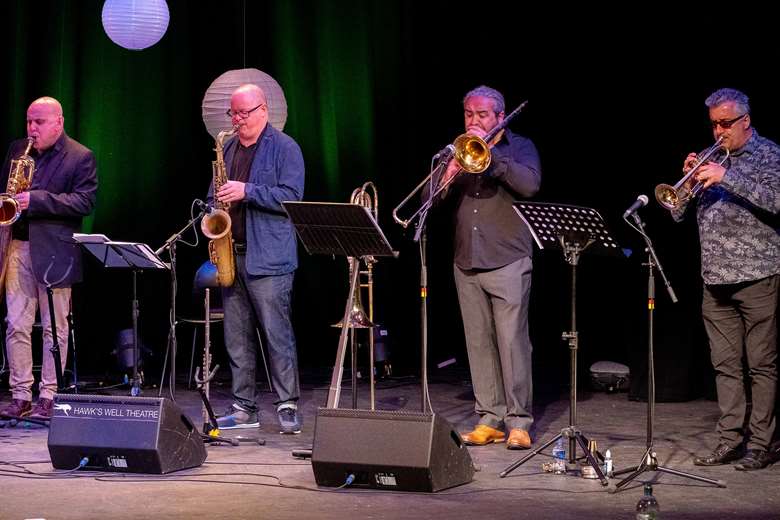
[753, 459]
[723, 454]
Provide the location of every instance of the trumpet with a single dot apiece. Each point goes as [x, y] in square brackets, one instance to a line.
[673, 197]
[472, 153]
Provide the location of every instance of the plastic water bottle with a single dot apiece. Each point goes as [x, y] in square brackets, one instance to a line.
[647, 508]
[608, 469]
[559, 454]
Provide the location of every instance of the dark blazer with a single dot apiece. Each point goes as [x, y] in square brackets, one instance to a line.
[276, 176]
[60, 196]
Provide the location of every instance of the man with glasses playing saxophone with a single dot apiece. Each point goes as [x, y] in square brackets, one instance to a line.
[63, 191]
[738, 213]
[265, 168]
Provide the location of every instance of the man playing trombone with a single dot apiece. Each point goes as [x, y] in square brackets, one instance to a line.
[738, 214]
[492, 268]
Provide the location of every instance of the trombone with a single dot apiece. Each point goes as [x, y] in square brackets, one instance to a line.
[672, 197]
[472, 154]
[357, 318]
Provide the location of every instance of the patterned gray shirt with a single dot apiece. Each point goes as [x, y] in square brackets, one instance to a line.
[739, 219]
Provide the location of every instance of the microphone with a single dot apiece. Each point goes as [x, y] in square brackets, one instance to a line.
[208, 209]
[640, 201]
[447, 151]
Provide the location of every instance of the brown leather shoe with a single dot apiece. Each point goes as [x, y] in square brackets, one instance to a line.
[482, 435]
[43, 409]
[519, 439]
[17, 408]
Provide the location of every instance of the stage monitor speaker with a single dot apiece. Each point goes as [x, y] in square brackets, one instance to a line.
[401, 451]
[127, 434]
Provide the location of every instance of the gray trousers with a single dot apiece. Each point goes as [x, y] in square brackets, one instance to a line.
[741, 320]
[494, 306]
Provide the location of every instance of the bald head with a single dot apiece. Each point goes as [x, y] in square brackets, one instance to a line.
[249, 111]
[44, 122]
[251, 92]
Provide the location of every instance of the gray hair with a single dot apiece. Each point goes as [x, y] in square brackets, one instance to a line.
[484, 91]
[725, 95]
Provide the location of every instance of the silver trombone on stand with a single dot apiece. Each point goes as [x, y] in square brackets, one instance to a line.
[358, 318]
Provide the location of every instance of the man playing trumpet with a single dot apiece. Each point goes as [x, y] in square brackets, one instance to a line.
[738, 213]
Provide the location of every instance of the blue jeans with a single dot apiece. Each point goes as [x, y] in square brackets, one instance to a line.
[263, 303]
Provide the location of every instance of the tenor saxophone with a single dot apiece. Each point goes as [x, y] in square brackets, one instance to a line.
[216, 224]
[19, 180]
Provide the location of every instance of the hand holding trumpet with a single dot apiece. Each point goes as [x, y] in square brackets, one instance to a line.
[708, 173]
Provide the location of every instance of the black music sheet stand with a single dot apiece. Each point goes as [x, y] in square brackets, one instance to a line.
[571, 229]
[124, 255]
[333, 228]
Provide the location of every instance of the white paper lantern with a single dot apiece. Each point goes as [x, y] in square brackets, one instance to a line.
[135, 24]
[216, 100]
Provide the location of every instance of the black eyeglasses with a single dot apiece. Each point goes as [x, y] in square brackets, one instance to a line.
[727, 123]
[243, 114]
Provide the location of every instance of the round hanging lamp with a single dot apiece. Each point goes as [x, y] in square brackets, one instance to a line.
[216, 100]
[135, 24]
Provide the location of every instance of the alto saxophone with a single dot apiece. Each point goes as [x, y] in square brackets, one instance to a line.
[216, 225]
[19, 180]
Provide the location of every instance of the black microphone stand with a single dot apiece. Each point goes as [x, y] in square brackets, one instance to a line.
[170, 245]
[649, 460]
[55, 343]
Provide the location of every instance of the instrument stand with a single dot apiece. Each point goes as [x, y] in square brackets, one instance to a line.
[572, 229]
[211, 432]
[649, 461]
[172, 346]
[125, 255]
[342, 229]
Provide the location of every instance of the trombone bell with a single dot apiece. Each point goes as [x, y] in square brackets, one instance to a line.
[472, 153]
[358, 319]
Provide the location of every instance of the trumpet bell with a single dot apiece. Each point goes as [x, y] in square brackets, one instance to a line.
[472, 153]
[667, 196]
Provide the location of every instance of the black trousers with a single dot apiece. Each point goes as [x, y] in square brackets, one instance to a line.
[741, 323]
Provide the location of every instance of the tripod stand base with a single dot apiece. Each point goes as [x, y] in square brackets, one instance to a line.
[569, 433]
[650, 463]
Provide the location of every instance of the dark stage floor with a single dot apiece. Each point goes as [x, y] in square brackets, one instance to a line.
[250, 481]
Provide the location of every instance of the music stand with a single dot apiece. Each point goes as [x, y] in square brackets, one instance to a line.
[333, 228]
[572, 229]
[124, 255]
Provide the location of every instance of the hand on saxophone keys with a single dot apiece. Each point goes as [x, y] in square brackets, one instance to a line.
[23, 199]
[231, 191]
